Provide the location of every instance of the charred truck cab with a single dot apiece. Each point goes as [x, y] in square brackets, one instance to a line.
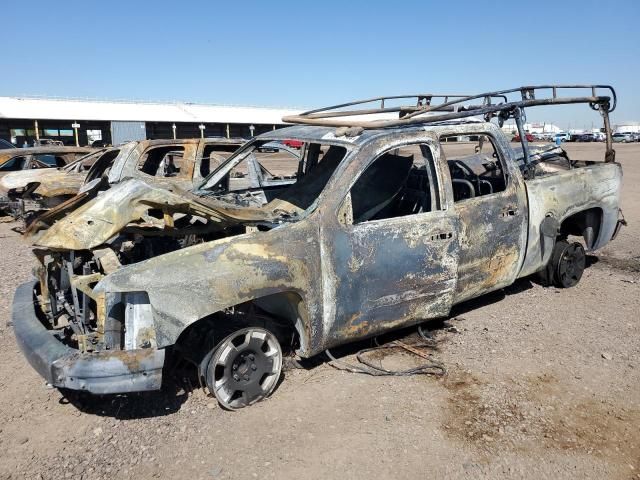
[375, 225]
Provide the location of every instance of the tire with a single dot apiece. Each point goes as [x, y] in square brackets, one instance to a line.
[566, 265]
[244, 368]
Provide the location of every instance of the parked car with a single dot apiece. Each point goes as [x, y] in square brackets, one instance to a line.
[48, 142]
[31, 160]
[626, 137]
[385, 225]
[528, 136]
[4, 144]
[15, 159]
[181, 163]
[21, 159]
[585, 137]
[289, 142]
[563, 136]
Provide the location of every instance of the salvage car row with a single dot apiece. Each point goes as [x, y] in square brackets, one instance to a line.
[181, 163]
[202, 249]
[622, 137]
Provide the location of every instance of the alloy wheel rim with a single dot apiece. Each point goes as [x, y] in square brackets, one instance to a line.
[245, 368]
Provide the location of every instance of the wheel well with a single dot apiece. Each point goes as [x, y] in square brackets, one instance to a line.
[585, 224]
[279, 313]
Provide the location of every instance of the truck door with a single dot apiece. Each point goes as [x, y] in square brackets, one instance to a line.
[490, 202]
[170, 165]
[393, 252]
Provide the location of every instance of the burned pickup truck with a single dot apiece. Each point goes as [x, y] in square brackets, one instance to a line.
[390, 221]
[181, 163]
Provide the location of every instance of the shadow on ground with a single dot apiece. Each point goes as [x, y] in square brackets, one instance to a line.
[180, 381]
[175, 392]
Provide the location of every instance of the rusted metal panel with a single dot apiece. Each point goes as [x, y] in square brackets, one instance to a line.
[225, 273]
[200, 254]
[56, 185]
[564, 193]
[492, 228]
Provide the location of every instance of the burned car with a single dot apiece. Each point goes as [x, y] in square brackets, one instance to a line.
[30, 160]
[388, 222]
[16, 159]
[5, 144]
[29, 192]
[183, 163]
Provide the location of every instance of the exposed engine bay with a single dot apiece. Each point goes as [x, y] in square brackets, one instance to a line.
[101, 234]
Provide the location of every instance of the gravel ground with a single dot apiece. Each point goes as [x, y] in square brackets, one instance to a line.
[541, 383]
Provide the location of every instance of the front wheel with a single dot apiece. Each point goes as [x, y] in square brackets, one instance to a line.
[244, 368]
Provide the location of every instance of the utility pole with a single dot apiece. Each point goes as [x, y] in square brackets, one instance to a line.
[76, 126]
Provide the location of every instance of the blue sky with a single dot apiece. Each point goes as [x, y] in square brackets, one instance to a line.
[311, 54]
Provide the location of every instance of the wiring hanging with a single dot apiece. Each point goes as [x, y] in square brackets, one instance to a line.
[429, 367]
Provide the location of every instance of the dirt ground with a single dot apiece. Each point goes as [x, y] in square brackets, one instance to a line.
[541, 383]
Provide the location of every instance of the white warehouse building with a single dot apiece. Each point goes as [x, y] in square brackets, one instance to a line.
[510, 127]
[26, 119]
[627, 127]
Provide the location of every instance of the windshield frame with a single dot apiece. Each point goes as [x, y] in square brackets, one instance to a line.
[69, 166]
[236, 157]
[243, 152]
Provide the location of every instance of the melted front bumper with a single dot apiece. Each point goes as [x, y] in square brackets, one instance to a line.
[115, 371]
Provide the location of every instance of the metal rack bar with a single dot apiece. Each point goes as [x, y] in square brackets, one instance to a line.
[423, 110]
[414, 113]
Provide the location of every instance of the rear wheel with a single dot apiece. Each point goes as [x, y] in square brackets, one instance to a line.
[569, 261]
[565, 266]
[245, 367]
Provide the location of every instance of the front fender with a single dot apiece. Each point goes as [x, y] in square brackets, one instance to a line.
[22, 178]
[187, 285]
[65, 183]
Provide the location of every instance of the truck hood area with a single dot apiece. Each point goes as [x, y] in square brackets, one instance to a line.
[23, 178]
[49, 182]
[92, 218]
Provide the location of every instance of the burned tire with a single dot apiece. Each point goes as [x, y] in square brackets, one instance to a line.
[244, 368]
[568, 262]
[566, 265]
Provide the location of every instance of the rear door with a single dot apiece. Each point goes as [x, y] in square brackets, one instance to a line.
[47, 160]
[490, 202]
[168, 165]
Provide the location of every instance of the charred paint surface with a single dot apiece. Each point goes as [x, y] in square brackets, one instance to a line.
[568, 192]
[55, 185]
[392, 273]
[222, 274]
[343, 281]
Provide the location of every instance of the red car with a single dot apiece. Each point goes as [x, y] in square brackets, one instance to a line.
[292, 143]
[529, 137]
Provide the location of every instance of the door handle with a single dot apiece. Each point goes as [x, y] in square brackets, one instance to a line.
[509, 212]
[442, 236]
